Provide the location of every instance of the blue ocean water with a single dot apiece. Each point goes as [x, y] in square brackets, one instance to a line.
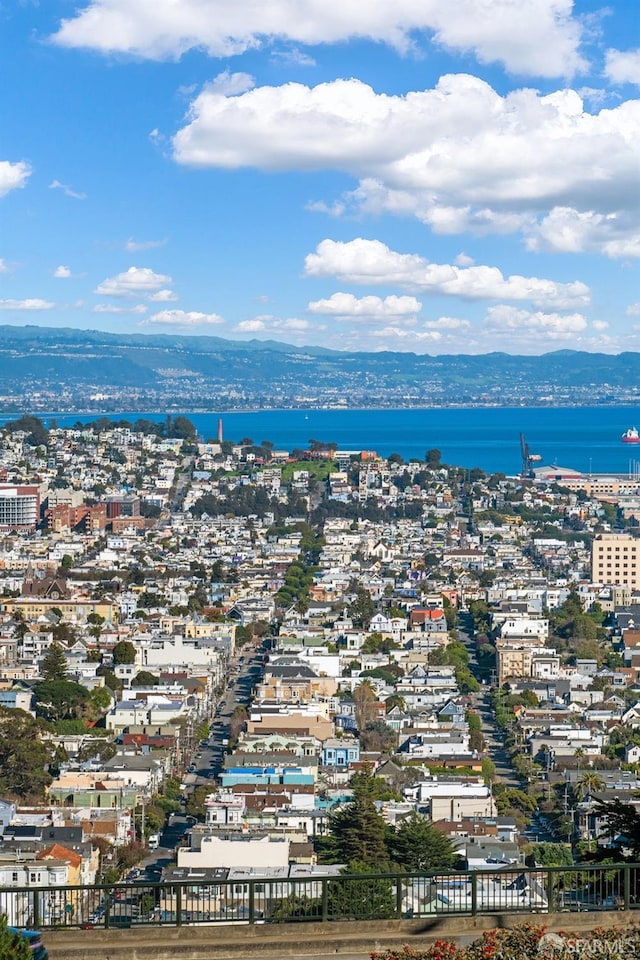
[584, 438]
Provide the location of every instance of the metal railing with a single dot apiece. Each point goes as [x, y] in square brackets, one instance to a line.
[346, 897]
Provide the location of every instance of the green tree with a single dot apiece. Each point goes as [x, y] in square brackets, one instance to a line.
[450, 613]
[128, 856]
[358, 834]
[64, 633]
[111, 681]
[37, 433]
[295, 907]
[376, 643]
[124, 652]
[97, 749]
[365, 785]
[418, 845]
[432, 458]
[182, 429]
[486, 655]
[195, 806]
[96, 623]
[395, 700]
[20, 628]
[145, 679]
[488, 770]
[60, 699]
[12, 945]
[243, 635]
[550, 855]
[361, 899]
[54, 664]
[466, 681]
[99, 699]
[589, 783]
[24, 756]
[362, 608]
[510, 800]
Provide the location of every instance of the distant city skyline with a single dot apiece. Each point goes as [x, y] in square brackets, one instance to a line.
[425, 176]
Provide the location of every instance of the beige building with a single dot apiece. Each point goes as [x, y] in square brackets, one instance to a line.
[236, 850]
[615, 559]
[520, 662]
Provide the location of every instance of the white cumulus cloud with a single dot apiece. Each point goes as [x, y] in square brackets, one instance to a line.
[32, 303]
[567, 230]
[552, 326]
[13, 176]
[251, 326]
[134, 282]
[348, 307]
[458, 157]
[163, 296]
[373, 262]
[410, 337]
[295, 325]
[535, 37]
[447, 323]
[62, 272]
[183, 318]
[623, 66]
[274, 325]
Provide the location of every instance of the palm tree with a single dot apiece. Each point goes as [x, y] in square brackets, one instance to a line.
[590, 782]
[579, 754]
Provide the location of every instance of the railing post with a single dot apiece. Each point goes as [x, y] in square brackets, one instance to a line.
[252, 901]
[178, 906]
[325, 900]
[627, 886]
[550, 892]
[107, 906]
[398, 898]
[474, 894]
[37, 920]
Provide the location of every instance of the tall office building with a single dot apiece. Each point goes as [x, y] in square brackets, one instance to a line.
[615, 559]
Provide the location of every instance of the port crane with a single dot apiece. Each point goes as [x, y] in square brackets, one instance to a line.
[528, 458]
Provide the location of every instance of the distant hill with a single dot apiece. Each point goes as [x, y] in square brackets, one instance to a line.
[70, 366]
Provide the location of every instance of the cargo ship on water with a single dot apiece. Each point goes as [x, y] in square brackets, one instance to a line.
[632, 435]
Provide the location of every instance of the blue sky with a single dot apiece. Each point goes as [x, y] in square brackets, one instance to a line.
[418, 175]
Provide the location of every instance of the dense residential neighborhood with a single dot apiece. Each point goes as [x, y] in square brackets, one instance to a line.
[225, 660]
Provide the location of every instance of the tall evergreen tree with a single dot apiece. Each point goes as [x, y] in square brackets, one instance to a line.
[357, 833]
[365, 899]
[417, 845]
[54, 666]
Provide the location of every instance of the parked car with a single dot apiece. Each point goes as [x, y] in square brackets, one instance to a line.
[34, 939]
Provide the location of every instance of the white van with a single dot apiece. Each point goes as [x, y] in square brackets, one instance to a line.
[153, 841]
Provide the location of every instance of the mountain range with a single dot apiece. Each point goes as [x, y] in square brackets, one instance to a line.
[69, 362]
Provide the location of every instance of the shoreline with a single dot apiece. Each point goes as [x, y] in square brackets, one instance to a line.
[186, 411]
